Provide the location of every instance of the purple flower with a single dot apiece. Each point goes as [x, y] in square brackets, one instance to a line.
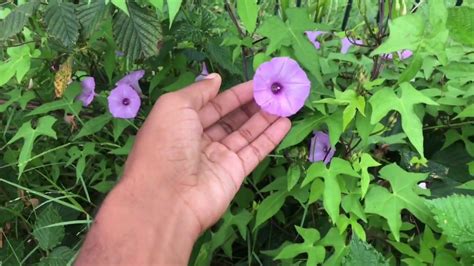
[403, 54]
[204, 72]
[320, 149]
[280, 86]
[124, 102]
[132, 80]
[312, 36]
[88, 91]
[346, 43]
[119, 53]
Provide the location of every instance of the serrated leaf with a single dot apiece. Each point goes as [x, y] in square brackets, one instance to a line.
[58, 257]
[90, 14]
[48, 237]
[173, 8]
[137, 35]
[93, 126]
[361, 253]
[248, 11]
[44, 127]
[455, 217]
[62, 22]
[17, 19]
[404, 104]
[403, 195]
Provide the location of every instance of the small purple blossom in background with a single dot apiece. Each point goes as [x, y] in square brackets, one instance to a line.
[204, 72]
[312, 36]
[280, 86]
[346, 43]
[119, 53]
[124, 102]
[422, 185]
[320, 148]
[404, 54]
[131, 79]
[88, 91]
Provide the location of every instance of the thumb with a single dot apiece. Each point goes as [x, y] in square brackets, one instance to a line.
[198, 94]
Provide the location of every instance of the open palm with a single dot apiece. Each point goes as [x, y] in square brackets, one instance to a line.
[204, 144]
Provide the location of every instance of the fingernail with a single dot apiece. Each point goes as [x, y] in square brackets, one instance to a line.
[211, 76]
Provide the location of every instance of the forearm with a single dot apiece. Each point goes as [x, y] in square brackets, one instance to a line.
[140, 224]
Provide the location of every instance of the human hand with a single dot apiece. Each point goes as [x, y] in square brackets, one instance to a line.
[189, 159]
[205, 144]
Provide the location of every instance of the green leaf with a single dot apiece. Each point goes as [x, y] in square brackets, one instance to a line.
[122, 5]
[17, 97]
[58, 257]
[48, 236]
[90, 15]
[455, 217]
[269, 207]
[173, 8]
[366, 161]
[291, 33]
[157, 3]
[62, 22]
[93, 126]
[412, 69]
[404, 104]
[66, 103]
[300, 130]
[316, 253]
[406, 32]
[361, 253]
[17, 19]
[468, 112]
[294, 173]
[403, 195]
[137, 35]
[461, 24]
[44, 127]
[18, 64]
[248, 12]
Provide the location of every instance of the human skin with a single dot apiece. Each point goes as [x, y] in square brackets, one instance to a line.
[189, 160]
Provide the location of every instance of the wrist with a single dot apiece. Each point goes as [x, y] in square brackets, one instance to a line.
[146, 224]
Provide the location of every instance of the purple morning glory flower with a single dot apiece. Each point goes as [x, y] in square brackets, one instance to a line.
[320, 149]
[124, 102]
[88, 91]
[280, 86]
[346, 43]
[312, 36]
[204, 72]
[131, 79]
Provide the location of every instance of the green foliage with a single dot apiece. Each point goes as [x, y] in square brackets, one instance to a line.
[398, 190]
[360, 254]
[29, 135]
[137, 35]
[62, 22]
[403, 195]
[47, 230]
[454, 216]
[17, 19]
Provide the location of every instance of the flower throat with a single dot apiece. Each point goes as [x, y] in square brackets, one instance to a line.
[276, 88]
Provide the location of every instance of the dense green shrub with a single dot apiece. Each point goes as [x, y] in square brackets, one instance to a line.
[397, 106]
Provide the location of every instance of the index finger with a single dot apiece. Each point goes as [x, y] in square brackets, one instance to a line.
[225, 103]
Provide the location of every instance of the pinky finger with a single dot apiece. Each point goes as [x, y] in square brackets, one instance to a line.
[255, 152]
